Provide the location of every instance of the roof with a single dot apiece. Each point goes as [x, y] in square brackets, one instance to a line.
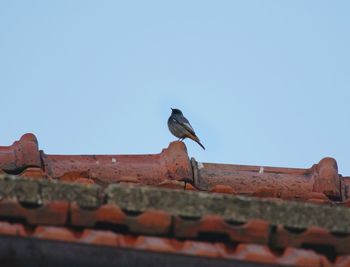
[166, 209]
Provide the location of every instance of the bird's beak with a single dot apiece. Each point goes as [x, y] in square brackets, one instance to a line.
[171, 108]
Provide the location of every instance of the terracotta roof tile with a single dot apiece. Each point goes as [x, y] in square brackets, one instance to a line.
[196, 248]
[14, 229]
[343, 261]
[153, 243]
[75, 200]
[252, 231]
[54, 213]
[301, 257]
[270, 181]
[172, 169]
[54, 233]
[253, 252]
[100, 237]
[246, 252]
[150, 221]
[312, 236]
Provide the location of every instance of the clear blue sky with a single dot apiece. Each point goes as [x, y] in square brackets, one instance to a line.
[262, 82]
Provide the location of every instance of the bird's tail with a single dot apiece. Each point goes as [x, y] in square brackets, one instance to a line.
[199, 143]
[196, 139]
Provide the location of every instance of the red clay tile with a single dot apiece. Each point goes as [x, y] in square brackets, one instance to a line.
[150, 222]
[226, 189]
[196, 248]
[342, 261]
[172, 164]
[172, 167]
[88, 218]
[311, 236]
[14, 229]
[253, 231]
[55, 233]
[245, 252]
[345, 188]
[21, 154]
[172, 184]
[270, 181]
[255, 253]
[53, 213]
[153, 244]
[302, 258]
[34, 172]
[106, 238]
[326, 177]
[127, 241]
[316, 197]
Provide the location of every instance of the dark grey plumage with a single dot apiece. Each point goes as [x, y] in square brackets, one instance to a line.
[180, 127]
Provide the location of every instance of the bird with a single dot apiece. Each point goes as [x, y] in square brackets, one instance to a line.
[180, 127]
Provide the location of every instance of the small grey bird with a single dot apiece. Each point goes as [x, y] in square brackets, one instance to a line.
[180, 127]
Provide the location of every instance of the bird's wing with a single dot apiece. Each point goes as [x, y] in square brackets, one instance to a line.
[186, 124]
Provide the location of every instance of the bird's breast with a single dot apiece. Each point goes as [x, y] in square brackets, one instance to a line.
[175, 128]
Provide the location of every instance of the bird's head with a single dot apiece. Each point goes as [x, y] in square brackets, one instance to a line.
[176, 111]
